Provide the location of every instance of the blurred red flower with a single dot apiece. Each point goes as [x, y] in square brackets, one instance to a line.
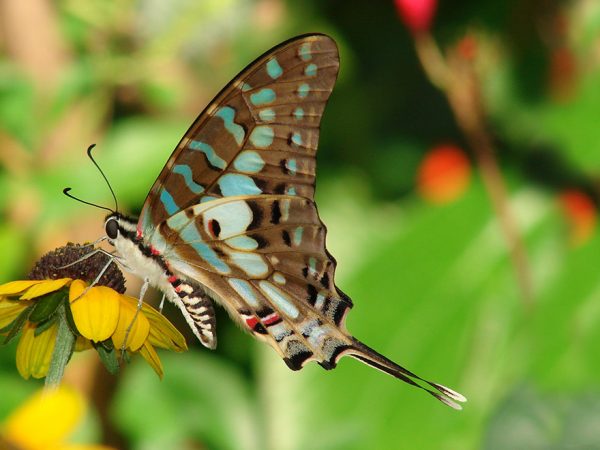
[417, 15]
[580, 212]
[444, 174]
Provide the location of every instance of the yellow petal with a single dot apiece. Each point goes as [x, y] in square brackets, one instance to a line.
[45, 420]
[162, 332]
[17, 287]
[9, 310]
[151, 357]
[96, 313]
[35, 352]
[139, 326]
[47, 286]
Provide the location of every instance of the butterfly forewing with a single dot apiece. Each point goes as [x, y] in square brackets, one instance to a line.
[258, 136]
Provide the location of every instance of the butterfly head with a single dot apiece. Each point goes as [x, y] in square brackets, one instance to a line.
[117, 226]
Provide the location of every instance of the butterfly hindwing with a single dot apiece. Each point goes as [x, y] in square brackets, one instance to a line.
[264, 258]
[258, 136]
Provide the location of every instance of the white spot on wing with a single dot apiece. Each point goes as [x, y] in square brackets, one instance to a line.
[233, 217]
[251, 263]
[279, 298]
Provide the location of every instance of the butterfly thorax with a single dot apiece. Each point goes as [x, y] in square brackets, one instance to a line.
[137, 257]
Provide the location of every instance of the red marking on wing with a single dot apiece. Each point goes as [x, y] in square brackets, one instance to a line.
[270, 319]
[172, 279]
[251, 322]
[211, 229]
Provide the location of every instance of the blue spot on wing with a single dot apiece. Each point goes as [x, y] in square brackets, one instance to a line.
[210, 153]
[274, 69]
[236, 184]
[262, 97]
[262, 136]
[227, 113]
[303, 90]
[298, 113]
[243, 288]
[168, 202]
[305, 52]
[185, 171]
[249, 162]
[311, 70]
[190, 236]
[297, 138]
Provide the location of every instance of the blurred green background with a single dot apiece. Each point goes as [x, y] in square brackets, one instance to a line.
[433, 283]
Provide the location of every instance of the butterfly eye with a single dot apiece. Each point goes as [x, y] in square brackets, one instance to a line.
[112, 228]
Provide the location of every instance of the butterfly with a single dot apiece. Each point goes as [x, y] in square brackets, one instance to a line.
[232, 218]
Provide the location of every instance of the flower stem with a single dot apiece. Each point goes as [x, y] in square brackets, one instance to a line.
[63, 348]
[457, 79]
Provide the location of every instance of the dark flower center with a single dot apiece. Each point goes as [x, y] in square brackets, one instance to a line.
[56, 264]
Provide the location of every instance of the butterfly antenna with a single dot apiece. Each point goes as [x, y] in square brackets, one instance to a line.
[66, 192]
[89, 152]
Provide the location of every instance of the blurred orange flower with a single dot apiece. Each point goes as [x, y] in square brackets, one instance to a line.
[581, 214]
[444, 174]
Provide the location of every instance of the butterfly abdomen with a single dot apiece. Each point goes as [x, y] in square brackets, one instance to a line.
[197, 308]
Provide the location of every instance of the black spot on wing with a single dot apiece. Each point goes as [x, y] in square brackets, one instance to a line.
[264, 312]
[275, 212]
[261, 241]
[295, 361]
[325, 280]
[257, 215]
[279, 189]
[260, 329]
[286, 238]
[312, 294]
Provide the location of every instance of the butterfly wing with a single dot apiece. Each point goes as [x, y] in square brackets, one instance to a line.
[258, 136]
[264, 258]
[233, 209]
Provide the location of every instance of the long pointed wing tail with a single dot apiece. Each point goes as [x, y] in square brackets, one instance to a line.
[367, 355]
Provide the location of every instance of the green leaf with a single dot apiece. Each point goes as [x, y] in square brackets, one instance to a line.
[17, 325]
[69, 317]
[43, 326]
[47, 305]
[108, 356]
[63, 349]
[201, 397]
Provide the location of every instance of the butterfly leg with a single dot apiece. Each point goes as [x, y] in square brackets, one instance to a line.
[93, 283]
[162, 303]
[140, 302]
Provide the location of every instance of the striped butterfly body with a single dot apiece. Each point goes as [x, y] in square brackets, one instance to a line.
[232, 218]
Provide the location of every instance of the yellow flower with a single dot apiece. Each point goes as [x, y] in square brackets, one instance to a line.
[44, 422]
[97, 317]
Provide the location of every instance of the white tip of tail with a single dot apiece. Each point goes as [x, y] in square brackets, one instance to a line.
[450, 403]
[374, 359]
[450, 393]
